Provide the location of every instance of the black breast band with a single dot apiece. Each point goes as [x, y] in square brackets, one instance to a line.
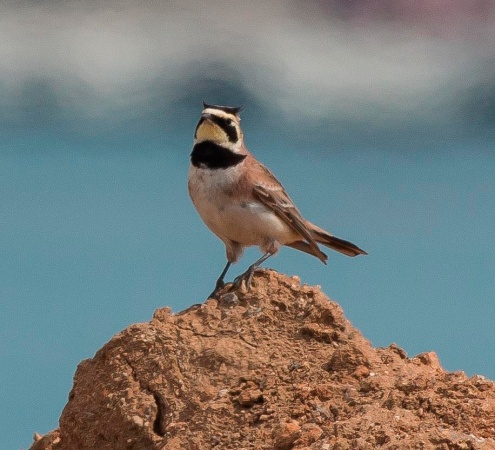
[214, 156]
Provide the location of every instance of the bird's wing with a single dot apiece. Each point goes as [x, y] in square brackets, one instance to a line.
[269, 191]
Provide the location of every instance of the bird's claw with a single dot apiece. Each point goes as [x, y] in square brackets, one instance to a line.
[218, 286]
[247, 277]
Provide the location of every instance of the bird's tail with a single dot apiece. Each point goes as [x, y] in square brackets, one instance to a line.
[345, 247]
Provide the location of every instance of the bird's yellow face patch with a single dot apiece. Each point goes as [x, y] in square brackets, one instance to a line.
[209, 131]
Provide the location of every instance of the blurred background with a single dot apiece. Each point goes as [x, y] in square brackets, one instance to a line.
[378, 117]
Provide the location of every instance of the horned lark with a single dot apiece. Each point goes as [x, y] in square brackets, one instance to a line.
[242, 202]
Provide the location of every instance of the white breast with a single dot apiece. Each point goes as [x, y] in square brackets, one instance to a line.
[243, 220]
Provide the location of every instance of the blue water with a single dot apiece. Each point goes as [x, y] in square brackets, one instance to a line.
[97, 232]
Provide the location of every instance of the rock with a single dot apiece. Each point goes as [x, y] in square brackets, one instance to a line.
[50, 441]
[250, 397]
[429, 359]
[285, 434]
[276, 367]
[310, 433]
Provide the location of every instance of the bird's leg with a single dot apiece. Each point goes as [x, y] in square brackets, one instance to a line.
[248, 274]
[220, 284]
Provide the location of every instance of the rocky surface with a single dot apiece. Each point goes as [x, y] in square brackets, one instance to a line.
[278, 367]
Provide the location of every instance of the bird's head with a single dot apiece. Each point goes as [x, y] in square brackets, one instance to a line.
[220, 125]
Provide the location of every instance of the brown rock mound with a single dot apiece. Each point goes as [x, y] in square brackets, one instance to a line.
[280, 368]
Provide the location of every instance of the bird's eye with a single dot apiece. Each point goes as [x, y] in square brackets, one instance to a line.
[229, 121]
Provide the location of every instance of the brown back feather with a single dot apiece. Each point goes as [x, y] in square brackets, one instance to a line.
[269, 191]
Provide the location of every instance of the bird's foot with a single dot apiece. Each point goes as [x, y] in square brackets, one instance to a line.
[218, 286]
[246, 277]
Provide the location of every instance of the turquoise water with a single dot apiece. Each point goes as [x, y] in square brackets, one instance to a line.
[95, 234]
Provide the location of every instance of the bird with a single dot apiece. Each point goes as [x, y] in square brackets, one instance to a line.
[242, 202]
